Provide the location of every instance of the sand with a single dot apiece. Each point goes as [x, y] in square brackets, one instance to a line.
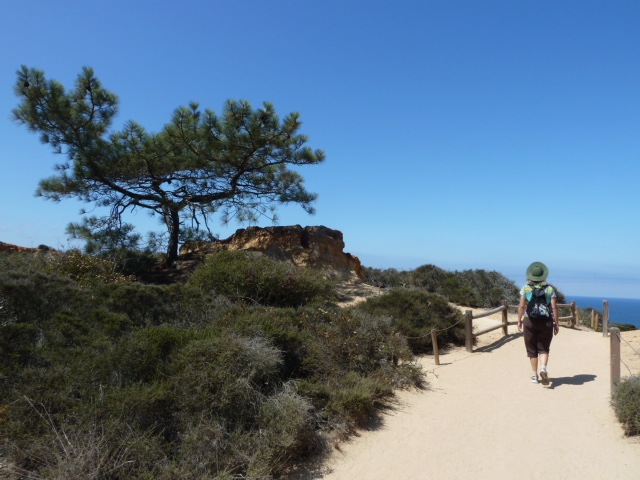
[482, 418]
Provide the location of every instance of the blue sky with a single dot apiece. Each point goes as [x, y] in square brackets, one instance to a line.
[463, 134]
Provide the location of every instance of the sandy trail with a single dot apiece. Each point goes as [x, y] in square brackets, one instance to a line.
[483, 419]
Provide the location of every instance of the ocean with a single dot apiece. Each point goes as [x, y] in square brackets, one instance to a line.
[621, 310]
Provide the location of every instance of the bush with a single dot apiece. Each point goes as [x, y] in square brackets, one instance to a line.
[626, 404]
[87, 448]
[473, 288]
[174, 382]
[387, 278]
[415, 314]
[85, 269]
[249, 276]
[226, 376]
[430, 278]
[144, 355]
[286, 420]
[143, 304]
[33, 297]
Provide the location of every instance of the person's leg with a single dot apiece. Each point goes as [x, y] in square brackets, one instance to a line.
[544, 359]
[545, 336]
[530, 343]
[534, 364]
[534, 369]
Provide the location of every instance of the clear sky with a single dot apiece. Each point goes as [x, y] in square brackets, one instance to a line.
[463, 134]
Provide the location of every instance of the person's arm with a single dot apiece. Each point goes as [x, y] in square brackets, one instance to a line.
[521, 309]
[556, 317]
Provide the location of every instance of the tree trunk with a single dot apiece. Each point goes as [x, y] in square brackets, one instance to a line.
[172, 220]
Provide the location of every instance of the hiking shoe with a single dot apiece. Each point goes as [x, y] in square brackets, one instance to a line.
[544, 376]
[534, 378]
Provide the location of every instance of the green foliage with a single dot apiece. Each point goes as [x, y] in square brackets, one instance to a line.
[200, 164]
[248, 276]
[143, 304]
[473, 288]
[430, 278]
[626, 404]
[387, 278]
[118, 245]
[415, 314]
[85, 268]
[226, 376]
[624, 327]
[146, 381]
[31, 292]
[584, 317]
[17, 343]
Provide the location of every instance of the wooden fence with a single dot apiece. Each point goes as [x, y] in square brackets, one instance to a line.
[615, 358]
[613, 333]
[470, 335]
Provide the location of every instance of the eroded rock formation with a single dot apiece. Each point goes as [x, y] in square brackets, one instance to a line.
[8, 247]
[314, 247]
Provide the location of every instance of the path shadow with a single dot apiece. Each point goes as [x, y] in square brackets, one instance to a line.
[580, 379]
[499, 343]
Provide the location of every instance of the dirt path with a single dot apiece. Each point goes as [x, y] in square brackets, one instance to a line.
[483, 419]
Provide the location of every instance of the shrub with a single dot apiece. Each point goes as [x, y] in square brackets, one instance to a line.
[429, 278]
[85, 269]
[321, 346]
[416, 313]
[174, 382]
[88, 448]
[286, 420]
[624, 327]
[387, 278]
[474, 288]
[626, 404]
[248, 276]
[226, 376]
[145, 406]
[33, 297]
[143, 304]
[17, 343]
[144, 355]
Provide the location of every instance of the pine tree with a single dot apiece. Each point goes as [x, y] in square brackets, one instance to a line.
[235, 164]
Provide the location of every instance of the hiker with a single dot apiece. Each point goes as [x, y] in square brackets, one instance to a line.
[539, 308]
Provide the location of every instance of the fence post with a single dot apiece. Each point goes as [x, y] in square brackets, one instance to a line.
[468, 330]
[436, 350]
[505, 318]
[574, 318]
[594, 323]
[615, 358]
[605, 318]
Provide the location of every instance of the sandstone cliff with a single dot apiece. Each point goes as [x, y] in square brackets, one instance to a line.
[8, 247]
[313, 247]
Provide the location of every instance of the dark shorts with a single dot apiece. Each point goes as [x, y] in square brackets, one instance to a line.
[537, 336]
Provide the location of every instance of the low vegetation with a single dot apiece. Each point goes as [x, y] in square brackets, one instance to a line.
[472, 288]
[586, 314]
[242, 370]
[626, 404]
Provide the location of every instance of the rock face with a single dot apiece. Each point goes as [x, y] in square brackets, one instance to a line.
[8, 247]
[315, 247]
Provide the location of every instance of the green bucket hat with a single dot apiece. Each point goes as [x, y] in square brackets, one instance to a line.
[537, 272]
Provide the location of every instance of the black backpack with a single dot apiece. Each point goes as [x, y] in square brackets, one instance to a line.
[538, 308]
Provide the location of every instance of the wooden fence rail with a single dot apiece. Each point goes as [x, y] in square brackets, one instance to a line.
[470, 335]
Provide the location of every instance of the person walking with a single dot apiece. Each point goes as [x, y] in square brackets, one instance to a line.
[538, 314]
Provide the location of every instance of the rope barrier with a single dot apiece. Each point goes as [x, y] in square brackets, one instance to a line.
[437, 330]
[630, 346]
[619, 335]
